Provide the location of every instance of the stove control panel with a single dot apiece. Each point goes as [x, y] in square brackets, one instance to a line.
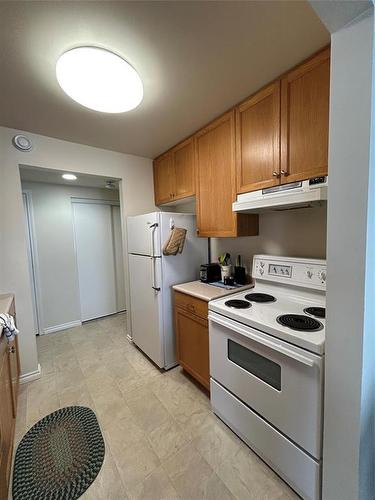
[280, 270]
[308, 273]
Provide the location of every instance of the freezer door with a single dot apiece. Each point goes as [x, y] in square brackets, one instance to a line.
[144, 234]
[146, 306]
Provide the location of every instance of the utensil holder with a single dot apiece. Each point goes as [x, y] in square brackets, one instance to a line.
[226, 271]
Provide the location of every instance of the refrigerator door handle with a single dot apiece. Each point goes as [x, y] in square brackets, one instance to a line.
[154, 287]
[152, 233]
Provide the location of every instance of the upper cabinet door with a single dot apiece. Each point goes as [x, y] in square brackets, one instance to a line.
[183, 156]
[215, 163]
[258, 140]
[304, 119]
[216, 182]
[164, 179]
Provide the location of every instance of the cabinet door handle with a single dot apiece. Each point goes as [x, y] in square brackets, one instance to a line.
[275, 174]
[284, 172]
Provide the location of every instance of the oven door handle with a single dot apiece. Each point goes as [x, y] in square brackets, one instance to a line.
[260, 340]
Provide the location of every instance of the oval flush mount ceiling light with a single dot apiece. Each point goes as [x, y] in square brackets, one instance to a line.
[69, 177]
[99, 79]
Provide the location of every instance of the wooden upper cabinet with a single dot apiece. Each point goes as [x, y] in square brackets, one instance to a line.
[258, 140]
[174, 174]
[279, 135]
[164, 179]
[215, 156]
[216, 182]
[304, 119]
[183, 158]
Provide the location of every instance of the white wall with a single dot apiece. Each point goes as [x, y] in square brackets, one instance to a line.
[136, 195]
[58, 276]
[348, 450]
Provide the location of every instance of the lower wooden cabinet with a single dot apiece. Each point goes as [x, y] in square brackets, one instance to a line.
[192, 336]
[9, 377]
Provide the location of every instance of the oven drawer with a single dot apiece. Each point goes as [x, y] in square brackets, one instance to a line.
[281, 382]
[296, 467]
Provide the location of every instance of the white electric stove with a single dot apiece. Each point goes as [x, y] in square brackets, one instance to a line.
[267, 366]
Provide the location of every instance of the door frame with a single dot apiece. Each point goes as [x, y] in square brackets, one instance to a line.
[34, 271]
[94, 201]
[121, 257]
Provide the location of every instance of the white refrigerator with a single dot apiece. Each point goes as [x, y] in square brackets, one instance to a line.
[152, 276]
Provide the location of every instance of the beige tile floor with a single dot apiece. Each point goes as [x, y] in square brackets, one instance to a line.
[162, 440]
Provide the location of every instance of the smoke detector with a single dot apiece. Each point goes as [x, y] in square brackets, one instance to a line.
[22, 143]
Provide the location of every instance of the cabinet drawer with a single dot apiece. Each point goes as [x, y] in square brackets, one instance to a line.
[191, 304]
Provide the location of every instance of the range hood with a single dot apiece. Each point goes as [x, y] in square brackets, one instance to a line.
[300, 194]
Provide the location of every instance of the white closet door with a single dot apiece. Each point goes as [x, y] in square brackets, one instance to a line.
[95, 259]
[119, 258]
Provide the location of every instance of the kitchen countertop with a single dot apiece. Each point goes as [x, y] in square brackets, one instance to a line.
[206, 291]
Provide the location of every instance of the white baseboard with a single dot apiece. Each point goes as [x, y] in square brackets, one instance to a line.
[29, 377]
[64, 326]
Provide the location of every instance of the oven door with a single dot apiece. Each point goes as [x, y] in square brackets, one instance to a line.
[279, 381]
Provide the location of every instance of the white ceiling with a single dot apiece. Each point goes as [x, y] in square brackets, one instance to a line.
[50, 176]
[196, 60]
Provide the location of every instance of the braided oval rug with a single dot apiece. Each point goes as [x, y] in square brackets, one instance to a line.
[59, 457]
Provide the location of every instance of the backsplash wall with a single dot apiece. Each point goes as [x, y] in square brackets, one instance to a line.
[293, 233]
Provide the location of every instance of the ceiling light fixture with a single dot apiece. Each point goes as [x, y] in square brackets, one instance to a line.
[69, 177]
[99, 79]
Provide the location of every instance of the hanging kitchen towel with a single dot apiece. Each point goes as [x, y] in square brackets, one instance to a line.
[9, 328]
[175, 242]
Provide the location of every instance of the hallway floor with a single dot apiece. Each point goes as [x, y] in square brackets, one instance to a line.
[162, 440]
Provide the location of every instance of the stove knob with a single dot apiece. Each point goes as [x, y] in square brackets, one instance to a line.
[262, 264]
[309, 274]
[322, 276]
[261, 271]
